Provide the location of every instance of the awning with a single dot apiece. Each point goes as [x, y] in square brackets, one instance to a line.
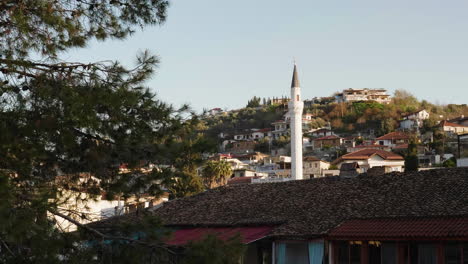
[247, 234]
[409, 228]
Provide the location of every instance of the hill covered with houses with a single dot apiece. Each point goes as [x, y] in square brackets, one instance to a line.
[355, 125]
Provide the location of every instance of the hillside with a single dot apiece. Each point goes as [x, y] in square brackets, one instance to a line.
[345, 118]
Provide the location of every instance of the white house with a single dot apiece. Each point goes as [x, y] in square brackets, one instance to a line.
[365, 94]
[453, 128]
[261, 133]
[414, 121]
[369, 158]
[215, 111]
[393, 139]
[314, 167]
[322, 132]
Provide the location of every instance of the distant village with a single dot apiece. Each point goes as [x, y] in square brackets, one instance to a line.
[330, 153]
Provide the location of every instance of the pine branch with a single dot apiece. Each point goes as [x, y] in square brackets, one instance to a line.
[7, 247]
[104, 236]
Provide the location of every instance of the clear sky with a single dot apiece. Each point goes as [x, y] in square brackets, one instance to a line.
[221, 53]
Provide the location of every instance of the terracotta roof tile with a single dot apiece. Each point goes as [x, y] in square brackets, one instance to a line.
[368, 152]
[412, 228]
[394, 135]
[309, 208]
[447, 123]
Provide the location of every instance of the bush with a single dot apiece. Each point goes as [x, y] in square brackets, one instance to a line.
[411, 163]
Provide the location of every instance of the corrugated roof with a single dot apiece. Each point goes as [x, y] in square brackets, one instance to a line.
[412, 228]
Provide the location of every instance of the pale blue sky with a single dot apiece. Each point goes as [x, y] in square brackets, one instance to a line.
[218, 53]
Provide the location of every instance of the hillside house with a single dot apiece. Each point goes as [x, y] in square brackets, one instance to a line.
[368, 158]
[461, 120]
[240, 147]
[327, 141]
[322, 132]
[452, 129]
[252, 158]
[391, 218]
[247, 173]
[215, 111]
[281, 129]
[314, 167]
[393, 139]
[366, 94]
[414, 121]
[350, 142]
[261, 133]
[245, 135]
[360, 147]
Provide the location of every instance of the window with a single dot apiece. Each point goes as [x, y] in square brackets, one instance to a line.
[427, 253]
[452, 254]
[355, 254]
[348, 253]
[297, 97]
[389, 253]
[342, 252]
[291, 252]
[465, 253]
[374, 253]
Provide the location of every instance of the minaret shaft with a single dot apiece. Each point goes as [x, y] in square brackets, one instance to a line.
[296, 107]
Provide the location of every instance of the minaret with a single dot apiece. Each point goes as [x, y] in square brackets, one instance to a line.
[296, 107]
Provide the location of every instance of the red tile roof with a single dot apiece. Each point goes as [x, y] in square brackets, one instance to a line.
[446, 123]
[394, 135]
[371, 146]
[248, 234]
[312, 158]
[242, 180]
[367, 153]
[403, 229]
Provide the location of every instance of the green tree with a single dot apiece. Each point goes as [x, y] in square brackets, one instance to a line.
[212, 250]
[450, 163]
[60, 120]
[254, 102]
[411, 159]
[282, 141]
[216, 173]
[263, 145]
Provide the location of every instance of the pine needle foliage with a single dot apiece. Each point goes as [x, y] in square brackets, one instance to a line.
[69, 126]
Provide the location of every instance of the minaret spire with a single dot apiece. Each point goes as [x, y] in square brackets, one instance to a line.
[295, 78]
[296, 106]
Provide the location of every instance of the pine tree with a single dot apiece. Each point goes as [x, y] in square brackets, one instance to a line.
[61, 120]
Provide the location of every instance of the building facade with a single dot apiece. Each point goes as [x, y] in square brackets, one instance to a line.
[365, 94]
